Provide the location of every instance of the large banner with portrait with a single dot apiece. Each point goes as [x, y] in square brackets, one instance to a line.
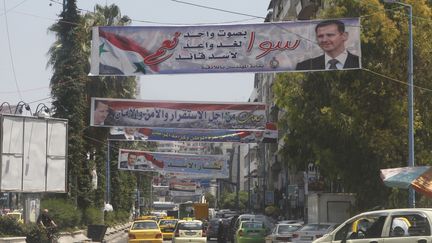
[139, 113]
[269, 135]
[214, 166]
[265, 47]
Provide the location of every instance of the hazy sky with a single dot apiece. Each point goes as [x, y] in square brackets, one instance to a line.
[25, 40]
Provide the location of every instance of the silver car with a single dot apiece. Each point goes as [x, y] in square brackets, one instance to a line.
[282, 233]
[311, 232]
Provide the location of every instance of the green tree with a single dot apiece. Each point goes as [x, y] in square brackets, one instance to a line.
[69, 62]
[72, 90]
[353, 123]
[110, 87]
[211, 199]
[228, 200]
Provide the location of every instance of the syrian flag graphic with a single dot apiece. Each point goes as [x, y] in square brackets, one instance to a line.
[120, 55]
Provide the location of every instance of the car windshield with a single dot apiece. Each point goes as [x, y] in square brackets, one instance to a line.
[287, 228]
[214, 222]
[144, 225]
[190, 226]
[315, 227]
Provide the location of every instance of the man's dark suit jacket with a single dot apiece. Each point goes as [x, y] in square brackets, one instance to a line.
[124, 164]
[318, 63]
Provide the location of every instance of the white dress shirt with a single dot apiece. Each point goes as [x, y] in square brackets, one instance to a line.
[341, 58]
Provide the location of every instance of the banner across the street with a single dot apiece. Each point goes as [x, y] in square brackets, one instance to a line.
[264, 47]
[215, 166]
[139, 113]
[269, 135]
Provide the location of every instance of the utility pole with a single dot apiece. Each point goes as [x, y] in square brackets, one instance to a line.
[107, 174]
[264, 176]
[249, 179]
[411, 161]
[238, 180]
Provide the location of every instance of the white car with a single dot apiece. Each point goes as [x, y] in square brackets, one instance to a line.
[189, 231]
[311, 232]
[282, 233]
[384, 226]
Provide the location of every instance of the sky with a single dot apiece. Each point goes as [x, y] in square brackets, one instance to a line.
[25, 41]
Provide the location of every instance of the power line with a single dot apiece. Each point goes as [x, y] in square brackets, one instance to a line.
[233, 12]
[396, 80]
[169, 23]
[218, 9]
[10, 51]
[12, 8]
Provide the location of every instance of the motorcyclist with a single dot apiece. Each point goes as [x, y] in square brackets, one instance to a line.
[220, 232]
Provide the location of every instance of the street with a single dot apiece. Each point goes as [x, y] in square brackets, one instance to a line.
[123, 239]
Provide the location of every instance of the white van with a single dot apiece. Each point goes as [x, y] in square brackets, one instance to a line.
[384, 226]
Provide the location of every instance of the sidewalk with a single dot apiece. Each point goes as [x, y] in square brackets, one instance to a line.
[81, 235]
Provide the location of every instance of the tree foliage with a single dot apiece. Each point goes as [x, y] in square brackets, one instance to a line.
[351, 124]
[72, 89]
[68, 92]
[211, 199]
[228, 200]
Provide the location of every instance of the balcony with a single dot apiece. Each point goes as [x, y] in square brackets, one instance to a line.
[308, 9]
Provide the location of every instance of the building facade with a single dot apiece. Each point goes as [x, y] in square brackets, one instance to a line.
[274, 177]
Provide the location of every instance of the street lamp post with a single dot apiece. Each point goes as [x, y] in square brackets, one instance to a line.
[411, 162]
[249, 179]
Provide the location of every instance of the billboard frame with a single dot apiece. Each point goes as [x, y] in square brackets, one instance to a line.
[48, 121]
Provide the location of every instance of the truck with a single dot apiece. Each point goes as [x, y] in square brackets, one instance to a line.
[329, 207]
[195, 210]
[201, 211]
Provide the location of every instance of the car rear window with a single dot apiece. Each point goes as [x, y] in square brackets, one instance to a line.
[144, 225]
[287, 228]
[190, 226]
[315, 227]
[168, 222]
[214, 223]
[254, 225]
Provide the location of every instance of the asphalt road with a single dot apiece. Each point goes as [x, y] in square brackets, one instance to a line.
[123, 239]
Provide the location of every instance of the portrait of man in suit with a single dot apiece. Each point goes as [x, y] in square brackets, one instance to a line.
[331, 37]
[130, 163]
[101, 112]
[128, 133]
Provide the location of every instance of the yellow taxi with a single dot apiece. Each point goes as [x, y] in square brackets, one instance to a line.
[167, 227]
[147, 217]
[189, 231]
[144, 231]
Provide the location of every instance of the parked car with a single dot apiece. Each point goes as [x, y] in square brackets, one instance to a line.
[167, 227]
[391, 225]
[310, 232]
[282, 233]
[144, 231]
[189, 231]
[251, 231]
